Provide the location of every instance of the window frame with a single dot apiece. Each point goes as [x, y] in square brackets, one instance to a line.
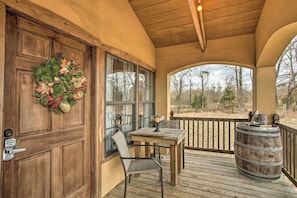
[118, 119]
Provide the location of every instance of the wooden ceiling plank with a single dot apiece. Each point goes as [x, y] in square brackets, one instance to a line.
[175, 30]
[216, 35]
[167, 38]
[215, 5]
[140, 4]
[161, 17]
[160, 8]
[210, 13]
[170, 24]
[237, 25]
[233, 19]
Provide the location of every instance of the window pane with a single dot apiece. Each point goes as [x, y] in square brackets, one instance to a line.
[129, 81]
[146, 112]
[120, 80]
[118, 117]
[146, 85]
[146, 97]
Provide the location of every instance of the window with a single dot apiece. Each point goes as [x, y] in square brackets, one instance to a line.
[121, 101]
[146, 97]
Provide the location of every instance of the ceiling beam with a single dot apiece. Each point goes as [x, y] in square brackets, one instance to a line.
[202, 25]
[197, 24]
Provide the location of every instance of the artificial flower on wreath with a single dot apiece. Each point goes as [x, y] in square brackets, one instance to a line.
[60, 83]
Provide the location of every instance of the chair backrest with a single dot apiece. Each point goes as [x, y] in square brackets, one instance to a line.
[174, 124]
[122, 146]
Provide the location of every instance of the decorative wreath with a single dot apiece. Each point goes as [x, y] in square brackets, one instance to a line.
[60, 83]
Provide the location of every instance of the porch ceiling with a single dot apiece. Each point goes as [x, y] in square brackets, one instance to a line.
[170, 22]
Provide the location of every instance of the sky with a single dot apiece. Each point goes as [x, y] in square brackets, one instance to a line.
[218, 74]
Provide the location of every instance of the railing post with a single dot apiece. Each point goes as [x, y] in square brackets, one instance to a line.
[171, 115]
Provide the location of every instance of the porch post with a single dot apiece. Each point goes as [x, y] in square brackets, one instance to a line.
[264, 91]
[162, 93]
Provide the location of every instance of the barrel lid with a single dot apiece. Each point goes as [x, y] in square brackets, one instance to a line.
[261, 128]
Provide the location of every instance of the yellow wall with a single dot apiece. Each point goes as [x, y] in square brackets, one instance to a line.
[112, 174]
[276, 27]
[112, 21]
[233, 50]
[264, 91]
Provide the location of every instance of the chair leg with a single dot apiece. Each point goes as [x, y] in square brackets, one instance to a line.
[161, 178]
[183, 147]
[154, 155]
[125, 190]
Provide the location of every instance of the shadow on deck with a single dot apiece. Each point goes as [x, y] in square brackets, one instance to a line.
[206, 175]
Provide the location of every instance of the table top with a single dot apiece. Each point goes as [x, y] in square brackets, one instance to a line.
[166, 135]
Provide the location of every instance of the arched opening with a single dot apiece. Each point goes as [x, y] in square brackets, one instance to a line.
[212, 90]
[286, 84]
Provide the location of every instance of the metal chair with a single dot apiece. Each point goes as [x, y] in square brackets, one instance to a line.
[133, 165]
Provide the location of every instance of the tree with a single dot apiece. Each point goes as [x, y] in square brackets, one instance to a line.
[286, 73]
[206, 82]
[198, 101]
[203, 75]
[237, 75]
[228, 99]
[179, 82]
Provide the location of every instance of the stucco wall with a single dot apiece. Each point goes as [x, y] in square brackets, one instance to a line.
[112, 21]
[276, 27]
[264, 91]
[112, 173]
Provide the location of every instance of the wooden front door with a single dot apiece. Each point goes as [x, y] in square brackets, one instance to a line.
[57, 160]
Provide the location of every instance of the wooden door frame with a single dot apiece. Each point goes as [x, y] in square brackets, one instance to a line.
[2, 63]
[49, 19]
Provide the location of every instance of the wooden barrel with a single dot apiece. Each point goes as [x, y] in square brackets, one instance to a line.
[258, 152]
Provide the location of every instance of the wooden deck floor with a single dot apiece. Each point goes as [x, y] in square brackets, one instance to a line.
[205, 175]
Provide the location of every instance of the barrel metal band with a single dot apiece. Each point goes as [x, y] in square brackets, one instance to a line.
[259, 134]
[280, 163]
[259, 175]
[270, 149]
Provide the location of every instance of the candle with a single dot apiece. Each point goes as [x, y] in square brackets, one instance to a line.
[157, 119]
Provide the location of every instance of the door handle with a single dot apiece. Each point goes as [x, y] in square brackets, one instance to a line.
[9, 149]
[13, 151]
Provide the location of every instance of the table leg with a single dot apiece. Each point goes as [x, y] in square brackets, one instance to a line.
[137, 149]
[173, 164]
[179, 157]
[147, 150]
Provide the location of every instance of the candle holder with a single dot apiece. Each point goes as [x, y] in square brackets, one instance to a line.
[157, 122]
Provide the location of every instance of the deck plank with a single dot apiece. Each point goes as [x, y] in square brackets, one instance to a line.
[206, 175]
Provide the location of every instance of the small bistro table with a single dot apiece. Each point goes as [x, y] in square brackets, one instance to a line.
[168, 136]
